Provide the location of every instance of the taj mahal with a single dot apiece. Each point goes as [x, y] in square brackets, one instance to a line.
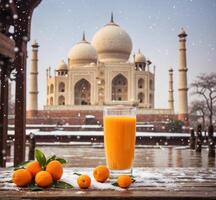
[104, 72]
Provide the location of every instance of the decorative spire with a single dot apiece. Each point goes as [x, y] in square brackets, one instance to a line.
[111, 19]
[35, 44]
[171, 70]
[83, 37]
[182, 33]
[134, 55]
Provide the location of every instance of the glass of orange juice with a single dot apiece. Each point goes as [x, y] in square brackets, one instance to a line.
[119, 138]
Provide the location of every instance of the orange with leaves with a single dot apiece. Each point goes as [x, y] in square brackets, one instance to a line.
[22, 177]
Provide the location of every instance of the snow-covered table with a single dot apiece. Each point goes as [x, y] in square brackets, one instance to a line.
[151, 183]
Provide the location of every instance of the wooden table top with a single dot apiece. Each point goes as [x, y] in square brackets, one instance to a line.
[151, 183]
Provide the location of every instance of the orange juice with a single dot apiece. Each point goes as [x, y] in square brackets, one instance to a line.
[119, 140]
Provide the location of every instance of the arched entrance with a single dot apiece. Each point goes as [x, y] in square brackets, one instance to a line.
[82, 92]
[119, 88]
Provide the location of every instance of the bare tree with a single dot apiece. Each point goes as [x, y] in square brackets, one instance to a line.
[200, 110]
[205, 87]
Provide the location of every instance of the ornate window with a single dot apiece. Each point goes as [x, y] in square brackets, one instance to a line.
[82, 92]
[51, 88]
[141, 83]
[119, 88]
[61, 87]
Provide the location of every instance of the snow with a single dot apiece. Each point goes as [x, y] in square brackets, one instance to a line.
[30, 126]
[91, 126]
[90, 116]
[145, 125]
[98, 133]
[169, 178]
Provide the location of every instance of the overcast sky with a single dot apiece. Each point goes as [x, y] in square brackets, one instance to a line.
[153, 26]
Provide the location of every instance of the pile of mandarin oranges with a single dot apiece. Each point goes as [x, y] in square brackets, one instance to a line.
[44, 173]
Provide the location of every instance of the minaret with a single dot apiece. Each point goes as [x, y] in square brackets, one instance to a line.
[182, 82]
[170, 91]
[33, 90]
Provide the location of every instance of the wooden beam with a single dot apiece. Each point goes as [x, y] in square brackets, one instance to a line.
[7, 46]
[3, 113]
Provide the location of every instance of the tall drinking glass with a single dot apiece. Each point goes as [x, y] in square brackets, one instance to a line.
[119, 138]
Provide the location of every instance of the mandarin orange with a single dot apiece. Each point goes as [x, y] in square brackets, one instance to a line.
[43, 179]
[22, 177]
[55, 168]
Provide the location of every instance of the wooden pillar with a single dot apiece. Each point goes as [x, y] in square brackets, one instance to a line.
[3, 114]
[211, 142]
[20, 103]
[192, 139]
[32, 144]
[199, 138]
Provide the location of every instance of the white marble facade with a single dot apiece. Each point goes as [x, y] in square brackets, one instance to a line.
[102, 72]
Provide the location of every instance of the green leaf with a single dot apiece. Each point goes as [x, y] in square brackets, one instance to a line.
[41, 158]
[115, 184]
[133, 180]
[78, 174]
[61, 160]
[50, 159]
[34, 187]
[62, 185]
[21, 165]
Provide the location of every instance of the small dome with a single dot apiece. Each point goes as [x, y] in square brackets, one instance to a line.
[61, 66]
[82, 53]
[93, 64]
[139, 57]
[112, 43]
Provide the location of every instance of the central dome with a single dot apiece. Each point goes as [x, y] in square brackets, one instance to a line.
[112, 43]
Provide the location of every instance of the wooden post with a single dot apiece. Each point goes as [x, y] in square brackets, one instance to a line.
[32, 144]
[3, 114]
[192, 139]
[22, 28]
[199, 138]
[20, 103]
[211, 143]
